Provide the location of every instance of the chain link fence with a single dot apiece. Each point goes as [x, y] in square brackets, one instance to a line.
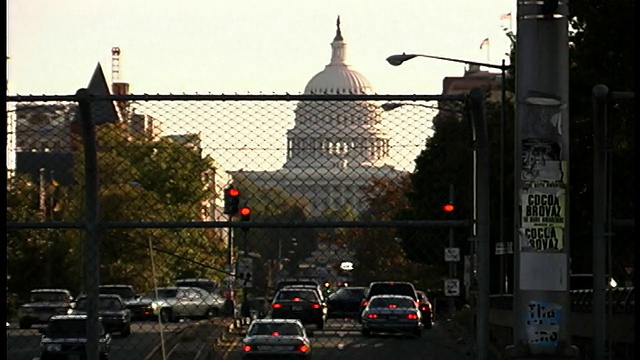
[336, 189]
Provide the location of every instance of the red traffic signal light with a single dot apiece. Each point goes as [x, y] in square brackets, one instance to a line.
[448, 208]
[245, 213]
[231, 200]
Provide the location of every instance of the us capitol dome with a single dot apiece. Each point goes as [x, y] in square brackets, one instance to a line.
[334, 147]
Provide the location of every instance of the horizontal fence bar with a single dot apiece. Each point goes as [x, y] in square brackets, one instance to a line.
[236, 97]
[243, 225]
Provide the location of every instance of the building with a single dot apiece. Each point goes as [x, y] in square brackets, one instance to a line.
[334, 147]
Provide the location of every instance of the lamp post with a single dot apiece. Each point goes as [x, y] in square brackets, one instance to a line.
[397, 60]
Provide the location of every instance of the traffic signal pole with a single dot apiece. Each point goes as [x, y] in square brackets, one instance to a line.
[452, 265]
[541, 306]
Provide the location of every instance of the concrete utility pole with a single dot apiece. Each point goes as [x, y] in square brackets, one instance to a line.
[541, 295]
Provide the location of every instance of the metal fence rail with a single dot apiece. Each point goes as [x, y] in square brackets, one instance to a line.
[128, 189]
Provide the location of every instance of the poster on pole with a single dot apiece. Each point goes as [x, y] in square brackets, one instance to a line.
[542, 238]
[543, 206]
[541, 161]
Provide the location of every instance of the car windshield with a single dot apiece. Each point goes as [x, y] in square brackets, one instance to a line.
[274, 329]
[350, 293]
[163, 294]
[74, 328]
[124, 292]
[395, 302]
[395, 289]
[103, 304]
[49, 296]
[301, 295]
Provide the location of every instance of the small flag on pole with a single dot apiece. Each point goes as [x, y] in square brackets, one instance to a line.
[484, 42]
[506, 16]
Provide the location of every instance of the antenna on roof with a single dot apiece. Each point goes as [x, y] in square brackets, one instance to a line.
[115, 64]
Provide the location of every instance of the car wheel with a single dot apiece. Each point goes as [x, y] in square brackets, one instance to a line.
[428, 324]
[25, 325]
[166, 315]
[126, 331]
[104, 356]
[213, 312]
[366, 332]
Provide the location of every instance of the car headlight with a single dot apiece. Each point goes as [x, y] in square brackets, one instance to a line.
[53, 347]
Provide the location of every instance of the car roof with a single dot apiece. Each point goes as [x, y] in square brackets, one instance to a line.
[196, 280]
[68, 317]
[278, 321]
[116, 286]
[391, 296]
[50, 290]
[106, 296]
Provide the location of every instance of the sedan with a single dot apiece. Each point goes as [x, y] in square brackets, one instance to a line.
[113, 312]
[425, 309]
[392, 313]
[301, 304]
[345, 302]
[276, 339]
[175, 302]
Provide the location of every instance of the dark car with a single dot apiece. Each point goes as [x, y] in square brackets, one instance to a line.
[111, 309]
[389, 288]
[392, 313]
[424, 304]
[309, 286]
[302, 304]
[276, 339]
[345, 302]
[65, 337]
[140, 307]
[42, 304]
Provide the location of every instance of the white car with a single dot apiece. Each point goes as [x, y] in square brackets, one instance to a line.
[175, 302]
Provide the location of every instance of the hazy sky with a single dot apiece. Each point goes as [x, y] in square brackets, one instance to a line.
[245, 46]
[250, 47]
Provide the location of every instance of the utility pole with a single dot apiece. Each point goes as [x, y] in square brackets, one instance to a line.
[541, 208]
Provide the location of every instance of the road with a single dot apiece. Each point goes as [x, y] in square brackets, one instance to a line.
[340, 339]
[144, 338]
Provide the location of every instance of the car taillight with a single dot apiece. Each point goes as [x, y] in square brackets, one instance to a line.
[364, 303]
[412, 316]
[276, 306]
[303, 348]
[372, 316]
[315, 306]
[296, 299]
[392, 306]
[275, 333]
[246, 348]
[425, 307]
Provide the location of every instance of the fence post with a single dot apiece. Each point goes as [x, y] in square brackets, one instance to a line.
[481, 150]
[600, 94]
[92, 250]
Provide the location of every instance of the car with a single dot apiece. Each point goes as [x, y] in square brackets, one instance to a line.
[65, 337]
[140, 308]
[389, 287]
[44, 303]
[299, 303]
[392, 313]
[276, 339]
[308, 286]
[345, 302]
[111, 309]
[426, 309]
[172, 303]
[211, 286]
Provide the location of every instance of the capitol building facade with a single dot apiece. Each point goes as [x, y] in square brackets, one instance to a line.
[335, 147]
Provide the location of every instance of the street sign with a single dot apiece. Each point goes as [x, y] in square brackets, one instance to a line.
[503, 248]
[452, 287]
[245, 272]
[452, 254]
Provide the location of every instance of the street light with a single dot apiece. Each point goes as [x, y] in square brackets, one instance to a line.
[397, 60]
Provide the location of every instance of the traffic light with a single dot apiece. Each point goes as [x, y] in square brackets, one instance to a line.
[231, 200]
[448, 208]
[245, 213]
